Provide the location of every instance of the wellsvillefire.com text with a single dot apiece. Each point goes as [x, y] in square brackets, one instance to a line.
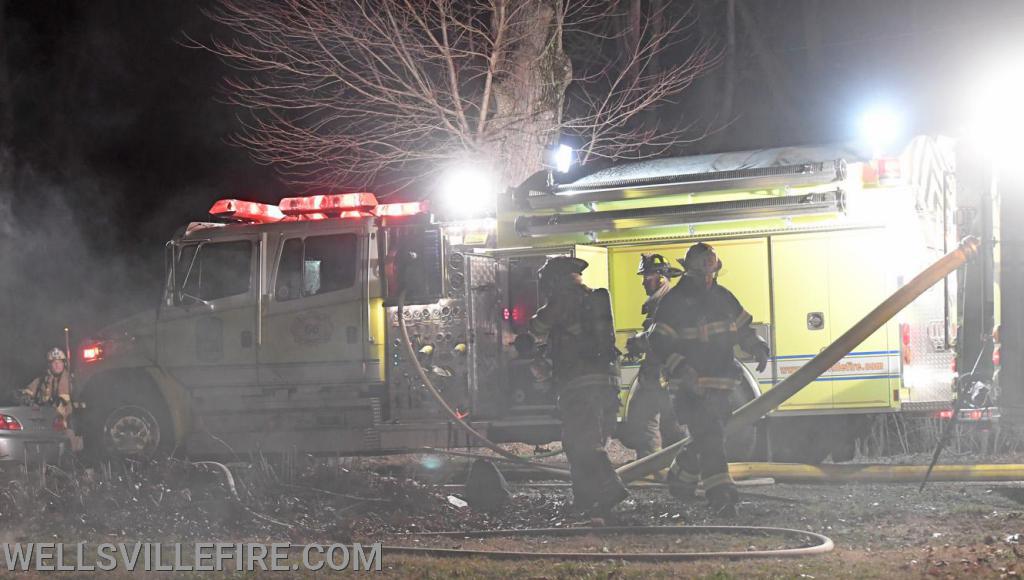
[197, 557]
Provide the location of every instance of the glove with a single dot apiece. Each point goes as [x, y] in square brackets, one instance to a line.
[636, 345]
[761, 353]
[683, 377]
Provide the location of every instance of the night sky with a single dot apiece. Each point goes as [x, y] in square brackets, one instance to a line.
[119, 137]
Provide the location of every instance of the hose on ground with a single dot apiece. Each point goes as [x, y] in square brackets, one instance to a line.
[410, 351]
[875, 473]
[821, 544]
[228, 478]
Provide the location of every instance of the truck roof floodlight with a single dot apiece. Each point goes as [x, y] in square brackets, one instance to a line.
[563, 157]
[881, 126]
[997, 119]
[467, 192]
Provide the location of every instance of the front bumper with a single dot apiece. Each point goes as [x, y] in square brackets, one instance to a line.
[20, 449]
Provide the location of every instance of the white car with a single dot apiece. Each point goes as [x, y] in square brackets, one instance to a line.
[31, 435]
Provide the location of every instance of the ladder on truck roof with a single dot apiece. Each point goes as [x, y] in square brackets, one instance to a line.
[659, 178]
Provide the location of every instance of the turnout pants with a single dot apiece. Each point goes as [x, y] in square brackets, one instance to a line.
[650, 417]
[705, 413]
[588, 406]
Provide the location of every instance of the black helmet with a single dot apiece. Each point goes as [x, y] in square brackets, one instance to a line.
[560, 267]
[657, 264]
[696, 259]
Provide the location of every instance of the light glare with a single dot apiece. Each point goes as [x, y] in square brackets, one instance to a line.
[563, 158]
[880, 127]
[468, 191]
[997, 119]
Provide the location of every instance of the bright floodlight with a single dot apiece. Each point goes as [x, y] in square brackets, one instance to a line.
[563, 158]
[998, 118]
[880, 127]
[468, 191]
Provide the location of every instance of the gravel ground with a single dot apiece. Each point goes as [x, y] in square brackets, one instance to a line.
[880, 530]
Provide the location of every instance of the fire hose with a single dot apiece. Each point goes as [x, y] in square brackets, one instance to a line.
[819, 544]
[833, 353]
[875, 473]
[455, 416]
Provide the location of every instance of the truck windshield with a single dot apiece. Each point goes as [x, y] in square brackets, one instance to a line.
[211, 271]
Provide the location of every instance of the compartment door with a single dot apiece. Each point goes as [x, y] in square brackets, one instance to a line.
[858, 283]
[800, 279]
[596, 274]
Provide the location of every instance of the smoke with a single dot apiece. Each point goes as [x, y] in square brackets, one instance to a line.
[64, 263]
[116, 140]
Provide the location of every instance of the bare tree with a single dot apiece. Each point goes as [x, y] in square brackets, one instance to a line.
[345, 92]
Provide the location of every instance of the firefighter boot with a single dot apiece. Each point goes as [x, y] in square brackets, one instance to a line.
[612, 493]
[723, 500]
[682, 483]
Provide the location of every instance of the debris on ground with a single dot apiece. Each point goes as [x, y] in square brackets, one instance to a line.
[486, 488]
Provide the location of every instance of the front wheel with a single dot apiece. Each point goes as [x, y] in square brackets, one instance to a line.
[130, 426]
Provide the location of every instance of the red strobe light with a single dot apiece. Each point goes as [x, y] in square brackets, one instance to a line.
[401, 209]
[92, 353]
[246, 210]
[328, 204]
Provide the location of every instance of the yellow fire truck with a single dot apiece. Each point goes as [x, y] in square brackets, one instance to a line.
[278, 328]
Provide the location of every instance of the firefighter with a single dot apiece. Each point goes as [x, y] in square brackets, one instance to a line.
[577, 322]
[53, 388]
[650, 412]
[695, 328]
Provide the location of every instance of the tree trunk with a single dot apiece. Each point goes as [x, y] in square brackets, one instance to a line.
[530, 93]
[729, 83]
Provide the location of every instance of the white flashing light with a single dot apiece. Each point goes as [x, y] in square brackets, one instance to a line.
[563, 156]
[881, 126]
[997, 119]
[468, 192]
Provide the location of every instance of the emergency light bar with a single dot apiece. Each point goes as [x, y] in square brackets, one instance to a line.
[246, 210]
[316, 207]
[803, 174]
[329, 204]
[401, 209]
[678, 215]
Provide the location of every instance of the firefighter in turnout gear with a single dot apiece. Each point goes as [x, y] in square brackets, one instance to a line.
[650, 411]
[577, 322]
[695, 328]
[53, 388]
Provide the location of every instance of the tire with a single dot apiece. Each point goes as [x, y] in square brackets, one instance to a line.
[129, 425]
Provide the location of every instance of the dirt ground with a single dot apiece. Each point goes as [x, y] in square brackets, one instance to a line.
[949, 530]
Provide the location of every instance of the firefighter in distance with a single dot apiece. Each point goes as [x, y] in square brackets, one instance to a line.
[53, 388]
[695, 329]
[650, 413]
[577, 322]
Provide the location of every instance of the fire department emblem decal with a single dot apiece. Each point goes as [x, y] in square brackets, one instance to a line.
[311, 329]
